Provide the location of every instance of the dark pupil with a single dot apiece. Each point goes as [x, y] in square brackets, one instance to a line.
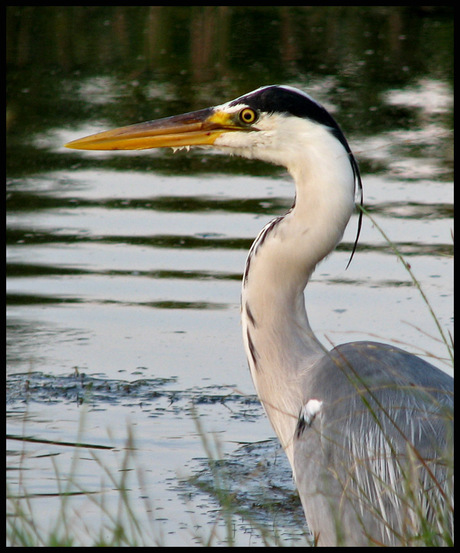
[247, 116]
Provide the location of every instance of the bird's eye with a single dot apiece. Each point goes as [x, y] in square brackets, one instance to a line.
[247, 116]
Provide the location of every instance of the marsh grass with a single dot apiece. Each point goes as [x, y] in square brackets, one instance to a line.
[223, 487]
[120, 526]
[122, 522]
[447, 340]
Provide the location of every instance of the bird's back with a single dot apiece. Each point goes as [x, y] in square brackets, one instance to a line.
[372, 463]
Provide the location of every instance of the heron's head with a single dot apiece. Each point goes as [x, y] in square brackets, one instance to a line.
[272, 123]
[278, 124]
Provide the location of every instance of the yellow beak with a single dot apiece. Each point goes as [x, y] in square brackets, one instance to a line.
[198, 128]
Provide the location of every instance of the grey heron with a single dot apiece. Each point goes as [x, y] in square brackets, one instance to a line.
[366, 426]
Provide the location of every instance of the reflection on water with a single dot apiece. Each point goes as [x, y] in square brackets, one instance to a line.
[128, 266]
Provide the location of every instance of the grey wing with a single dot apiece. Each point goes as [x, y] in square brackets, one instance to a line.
[372, 446]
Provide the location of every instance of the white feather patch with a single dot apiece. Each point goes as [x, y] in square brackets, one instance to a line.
[311, 410]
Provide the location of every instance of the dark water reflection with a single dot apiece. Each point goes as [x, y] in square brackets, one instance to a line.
[129, 264]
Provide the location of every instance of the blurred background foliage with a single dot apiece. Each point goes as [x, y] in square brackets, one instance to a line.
[168, 59]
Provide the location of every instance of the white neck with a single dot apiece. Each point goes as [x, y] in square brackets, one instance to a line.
[280, 344]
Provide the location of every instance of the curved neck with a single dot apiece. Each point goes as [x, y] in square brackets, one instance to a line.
[280, 344]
